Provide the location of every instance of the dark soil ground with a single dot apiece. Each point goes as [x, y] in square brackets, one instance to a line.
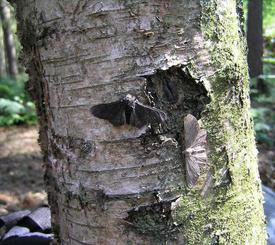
[21, 169]
[266, 158]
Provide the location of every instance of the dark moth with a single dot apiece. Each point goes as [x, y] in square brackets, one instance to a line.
[128, 110]
[195, 149]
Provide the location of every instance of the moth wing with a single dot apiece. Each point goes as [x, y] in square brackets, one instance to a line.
[192, 170]
[200, 156]
[113, 112]
[191, 130]
[143, 115]
[199, 147]
[196, 141]
[200, 140]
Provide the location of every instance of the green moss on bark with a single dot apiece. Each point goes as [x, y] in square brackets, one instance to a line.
[233, 214]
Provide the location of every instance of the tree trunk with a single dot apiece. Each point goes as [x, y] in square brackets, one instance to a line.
[255, 37]
[2, 54]
[8, 39]
[127, 185]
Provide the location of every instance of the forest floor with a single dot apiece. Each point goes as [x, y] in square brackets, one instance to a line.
[21, 168]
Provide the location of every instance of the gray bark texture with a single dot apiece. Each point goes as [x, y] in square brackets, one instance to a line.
[124, 185]
[8, 39]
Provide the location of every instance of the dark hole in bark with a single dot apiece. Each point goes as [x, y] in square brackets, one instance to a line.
[153, 220]
[177, 92]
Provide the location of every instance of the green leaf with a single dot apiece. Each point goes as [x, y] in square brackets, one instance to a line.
[9, 107]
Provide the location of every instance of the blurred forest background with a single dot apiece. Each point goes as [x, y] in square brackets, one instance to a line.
[21, 180]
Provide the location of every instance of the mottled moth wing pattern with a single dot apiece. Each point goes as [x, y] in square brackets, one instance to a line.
[128, 110]
[195, 149]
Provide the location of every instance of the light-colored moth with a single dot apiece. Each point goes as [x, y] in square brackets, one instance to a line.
[195, 152]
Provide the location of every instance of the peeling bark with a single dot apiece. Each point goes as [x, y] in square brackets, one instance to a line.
[124, 185]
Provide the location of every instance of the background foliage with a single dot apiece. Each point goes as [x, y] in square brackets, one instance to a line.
[15, 105]
[263, 102]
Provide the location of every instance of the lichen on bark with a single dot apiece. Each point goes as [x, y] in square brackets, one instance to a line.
[230, 130]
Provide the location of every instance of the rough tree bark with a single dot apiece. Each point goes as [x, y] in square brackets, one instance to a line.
[123, 185]
[8, 39]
